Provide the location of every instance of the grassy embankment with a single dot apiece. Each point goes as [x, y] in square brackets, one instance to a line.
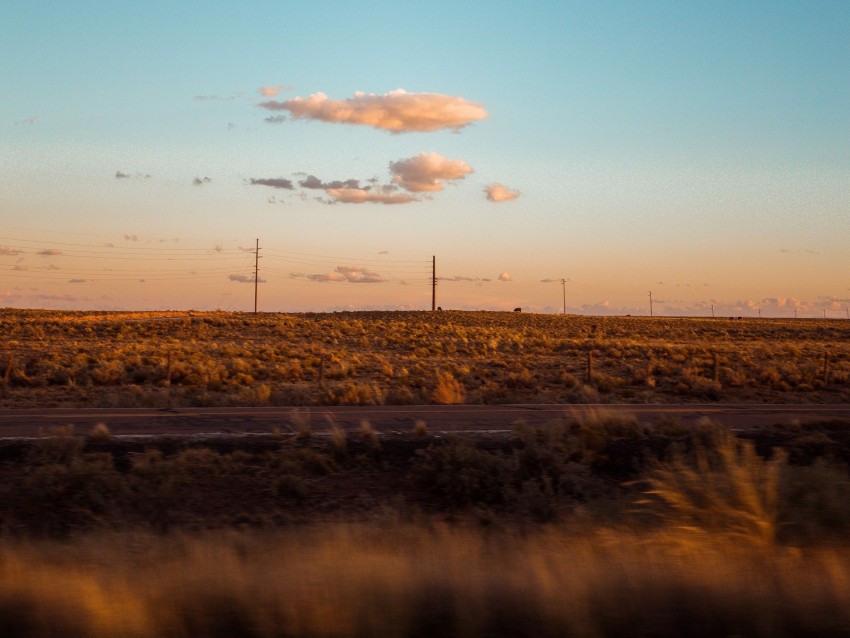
[711, 539]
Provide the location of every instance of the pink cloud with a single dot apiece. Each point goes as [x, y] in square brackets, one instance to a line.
[362, 196]
[500, 193]
[427, 171]
[505, 277]
[271, 91]
[351, 274]
[397, 111]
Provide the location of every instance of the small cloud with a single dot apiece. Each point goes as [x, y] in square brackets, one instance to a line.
[384, 252]
[19, 268]
[505, 277]
[351, 274]
[245, 279]
[426, 172]
[121, 175]
[131, 237]
[278, 182]
[314, 183]
[27, 121]
[218, 248]
[8, 251]
[275, 119]
[77, 281]
[397, 111]
[333, 276]
[271, 91]
[500, 193]
[50, 252]
[364, 195]
[200, 181]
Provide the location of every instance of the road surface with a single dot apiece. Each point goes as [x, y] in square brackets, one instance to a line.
[16, 423]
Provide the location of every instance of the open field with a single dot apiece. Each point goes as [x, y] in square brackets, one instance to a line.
[394, 358]
[583, 524]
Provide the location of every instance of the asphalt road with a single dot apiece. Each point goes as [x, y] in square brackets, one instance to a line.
[454, 418]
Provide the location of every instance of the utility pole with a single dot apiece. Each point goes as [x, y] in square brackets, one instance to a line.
[564, 288]
[256, 272]
[650, 303]
[712, 311]
[433, 283]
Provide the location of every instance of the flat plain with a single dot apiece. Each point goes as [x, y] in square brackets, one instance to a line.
[394, 358]
[589, 524]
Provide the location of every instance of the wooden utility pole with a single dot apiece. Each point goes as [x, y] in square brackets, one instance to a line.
[433, 283]
[256, 272]
[650, 303]
[564, 288]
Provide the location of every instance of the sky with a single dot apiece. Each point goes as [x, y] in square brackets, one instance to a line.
[550, 155]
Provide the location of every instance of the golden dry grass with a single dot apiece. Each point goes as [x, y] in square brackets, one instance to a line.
[413, 581]
[151, 359]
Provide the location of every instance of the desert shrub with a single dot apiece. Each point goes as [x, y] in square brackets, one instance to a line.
[75, 493]
[448, 390]
[459, 474]
[815, 501]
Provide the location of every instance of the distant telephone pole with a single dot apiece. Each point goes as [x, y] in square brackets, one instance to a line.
[256, 272]
[650, 303]
[564, 288]
[433, 283]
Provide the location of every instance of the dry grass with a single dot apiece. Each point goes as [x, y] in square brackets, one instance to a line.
[413, 581]
[722, 487]
[368, 358]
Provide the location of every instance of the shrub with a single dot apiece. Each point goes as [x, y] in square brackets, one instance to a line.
[448, 390]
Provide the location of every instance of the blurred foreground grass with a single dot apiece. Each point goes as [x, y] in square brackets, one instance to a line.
[346, 580]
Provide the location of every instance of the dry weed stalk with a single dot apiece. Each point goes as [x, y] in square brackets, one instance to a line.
[725, 488]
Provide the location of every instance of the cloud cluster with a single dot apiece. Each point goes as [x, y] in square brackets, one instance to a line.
[500, 193]
[426, 172]
[314, 183]
[351, 274]
[397, 111]
[200, 181]
[50, 252]
[8, 251]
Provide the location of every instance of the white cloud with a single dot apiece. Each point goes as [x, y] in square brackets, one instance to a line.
[505, 277]
[500, 193]
[397, 111]
[427, 171]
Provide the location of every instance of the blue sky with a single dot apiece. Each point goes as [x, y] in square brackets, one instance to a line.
[699, 150]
